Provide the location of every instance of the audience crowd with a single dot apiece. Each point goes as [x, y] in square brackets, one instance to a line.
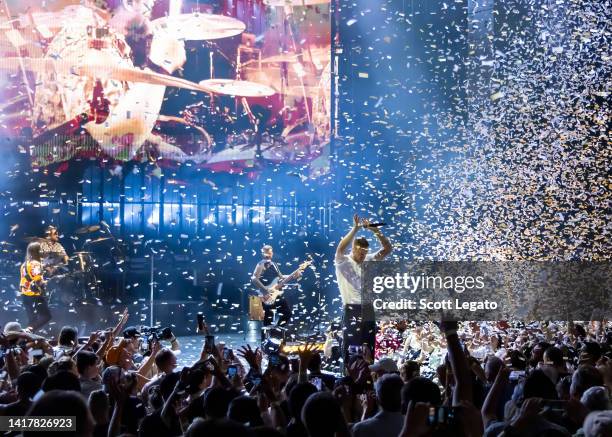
[443, 379]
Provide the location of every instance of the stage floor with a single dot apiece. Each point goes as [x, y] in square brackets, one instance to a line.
[191, 346]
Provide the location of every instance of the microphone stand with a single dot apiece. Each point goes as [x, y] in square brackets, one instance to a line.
[118, 257]
[152, 282]
[318, 285]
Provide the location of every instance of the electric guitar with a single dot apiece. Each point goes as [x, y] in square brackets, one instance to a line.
[276, 286]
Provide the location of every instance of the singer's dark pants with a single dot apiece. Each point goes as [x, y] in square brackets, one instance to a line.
[357, 329]
[37, 310]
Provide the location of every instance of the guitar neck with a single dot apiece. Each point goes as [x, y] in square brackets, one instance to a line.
[290, 277]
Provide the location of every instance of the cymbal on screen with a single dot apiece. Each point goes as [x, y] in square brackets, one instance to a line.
[298, 3]
[320, 56]
[87, 229]
[97, 240]
[199, 27]
[239, 88]
[288, 82]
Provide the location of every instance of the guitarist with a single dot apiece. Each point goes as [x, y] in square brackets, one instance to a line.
[265, 273]
[32, 288]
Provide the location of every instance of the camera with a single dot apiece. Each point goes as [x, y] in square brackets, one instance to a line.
[209, 344]
[515, 375]
[228, 354]
[201, 325]
[155, 333]
[151, 334]
[441, 417]
[231, 371]
[355, 350]
[557, 406]
[273, 359]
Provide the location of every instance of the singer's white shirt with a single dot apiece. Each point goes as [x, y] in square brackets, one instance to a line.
[348, 275]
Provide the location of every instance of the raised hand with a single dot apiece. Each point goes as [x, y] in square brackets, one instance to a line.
[93, 337]
[368, 404]
[356, 220]
[184, 376]
[305, 354]
[472, 419]
[358, 371]
[251, 356]
[155, 347]
[367, 354]
[529, 410]
[415, 422]
[122, 321]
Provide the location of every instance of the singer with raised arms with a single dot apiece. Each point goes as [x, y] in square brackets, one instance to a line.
[356, 331]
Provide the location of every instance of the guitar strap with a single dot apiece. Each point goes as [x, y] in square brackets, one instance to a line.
[276, 269]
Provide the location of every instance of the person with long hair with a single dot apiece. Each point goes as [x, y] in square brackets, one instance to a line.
[32, 288]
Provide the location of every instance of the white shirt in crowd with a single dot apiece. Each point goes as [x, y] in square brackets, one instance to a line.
[348, 274]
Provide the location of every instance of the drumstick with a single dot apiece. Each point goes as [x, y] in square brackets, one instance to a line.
[100, 69]
[20, 58]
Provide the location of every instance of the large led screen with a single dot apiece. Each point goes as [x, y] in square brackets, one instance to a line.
[227, 85]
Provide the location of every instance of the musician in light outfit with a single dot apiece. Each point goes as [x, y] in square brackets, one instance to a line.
[265, 272]
[356, 331]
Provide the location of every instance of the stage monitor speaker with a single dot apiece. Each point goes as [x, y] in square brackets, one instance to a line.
[256, 311]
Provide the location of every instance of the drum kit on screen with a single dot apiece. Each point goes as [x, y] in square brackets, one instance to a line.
[283, 97]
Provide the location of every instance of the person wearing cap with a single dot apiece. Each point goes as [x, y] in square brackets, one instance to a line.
[384, 366]
[348, 273]
[122, 355]
[598, 424]
[131, 334]
[13, 328]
